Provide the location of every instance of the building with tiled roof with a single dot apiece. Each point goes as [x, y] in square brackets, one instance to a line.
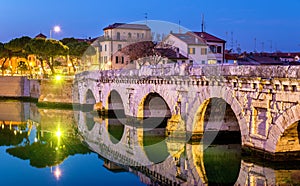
[118, 36]
[127, 26]
[189, 45]
[40, 35]
[216, 47]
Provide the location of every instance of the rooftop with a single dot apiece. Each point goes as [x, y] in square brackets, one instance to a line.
[169, 53]
[209, 38]
[127, 26]
[189, 39]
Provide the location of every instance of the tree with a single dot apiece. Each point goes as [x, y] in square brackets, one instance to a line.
[45, 50]
[139, 50]
[17, 45]
[78, 49]
[14, 48]
[22, 66]
[4, 56]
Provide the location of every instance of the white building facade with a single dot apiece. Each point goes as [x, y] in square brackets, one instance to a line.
[116, 37]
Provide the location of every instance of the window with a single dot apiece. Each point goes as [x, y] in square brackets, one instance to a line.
[105, 48]
[142, 35]
[219, 49]
[203, 62]
[129, 35]
[212, 48]
[203, 51]
[191, 50]
[122, 60]
[138, 35]
[117, 59]
[118, 36]
[100, 48]
[105, 59]
[131, 61]
[219, 61]
[119, 47]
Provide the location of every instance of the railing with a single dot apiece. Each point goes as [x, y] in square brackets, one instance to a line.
[169, 70]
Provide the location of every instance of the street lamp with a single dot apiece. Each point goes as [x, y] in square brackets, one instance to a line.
[56, 29]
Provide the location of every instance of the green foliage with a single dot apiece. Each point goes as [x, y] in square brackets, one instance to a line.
[45, 48]
[17, 46]
[78, 48]
[4, 52]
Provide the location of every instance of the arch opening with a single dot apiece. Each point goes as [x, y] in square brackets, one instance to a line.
[116, 113]
[156, 114]
[89, 121]
[222, 164]
[115, 105]
[115, 130]
[90, 101]
[216, 122]
[289, 141]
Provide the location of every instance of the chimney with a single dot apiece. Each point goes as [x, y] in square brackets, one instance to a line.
[177, 52]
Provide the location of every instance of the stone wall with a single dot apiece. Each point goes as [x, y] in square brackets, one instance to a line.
[14, 86]
[56, 91]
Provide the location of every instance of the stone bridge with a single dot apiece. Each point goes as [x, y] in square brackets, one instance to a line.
[259, 102]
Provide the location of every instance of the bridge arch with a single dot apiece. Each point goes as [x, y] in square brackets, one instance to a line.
[89, 100]
[115, 103]
[153, 112]
[201, 101]
[115, 122]
[286, 124]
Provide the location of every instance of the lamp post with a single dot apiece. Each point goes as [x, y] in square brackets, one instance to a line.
[56, 29]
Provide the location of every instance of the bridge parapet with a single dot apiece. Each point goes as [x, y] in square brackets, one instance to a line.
[168, 70]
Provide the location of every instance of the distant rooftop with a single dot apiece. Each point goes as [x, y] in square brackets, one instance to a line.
[189, 39]
[209, 38]
[40, 35]
[169, 53]
[127, 26]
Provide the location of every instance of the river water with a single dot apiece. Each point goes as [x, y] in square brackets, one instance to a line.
[64, 147]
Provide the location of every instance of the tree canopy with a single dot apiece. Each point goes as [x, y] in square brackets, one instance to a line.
[78, 49]
[46, 50]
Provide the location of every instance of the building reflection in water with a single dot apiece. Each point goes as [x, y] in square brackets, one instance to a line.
[47, 137]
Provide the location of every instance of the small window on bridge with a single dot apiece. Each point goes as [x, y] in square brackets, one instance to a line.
[234, 84]
[294, 88]
[277, 87]
[285, 88]
[254, 85]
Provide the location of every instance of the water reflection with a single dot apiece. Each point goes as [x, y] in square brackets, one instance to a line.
[48, 137]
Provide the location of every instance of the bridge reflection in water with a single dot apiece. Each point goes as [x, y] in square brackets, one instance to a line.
[125, 145]
[161, 159]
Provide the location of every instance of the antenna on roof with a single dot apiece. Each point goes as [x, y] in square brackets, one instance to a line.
[179, 27]
[255, 45]
[202, 24]
[146, 17]
[232, 41]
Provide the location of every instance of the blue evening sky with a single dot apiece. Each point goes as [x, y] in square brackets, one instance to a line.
[274, 23]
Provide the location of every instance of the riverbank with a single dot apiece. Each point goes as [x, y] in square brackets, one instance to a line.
[46, 93]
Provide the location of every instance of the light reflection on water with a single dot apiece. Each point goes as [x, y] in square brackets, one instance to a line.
[45, 146]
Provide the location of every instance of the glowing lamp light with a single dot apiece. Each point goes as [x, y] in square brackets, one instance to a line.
[56, 29]
[58, 78]
[57, 173]
[58, 133]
